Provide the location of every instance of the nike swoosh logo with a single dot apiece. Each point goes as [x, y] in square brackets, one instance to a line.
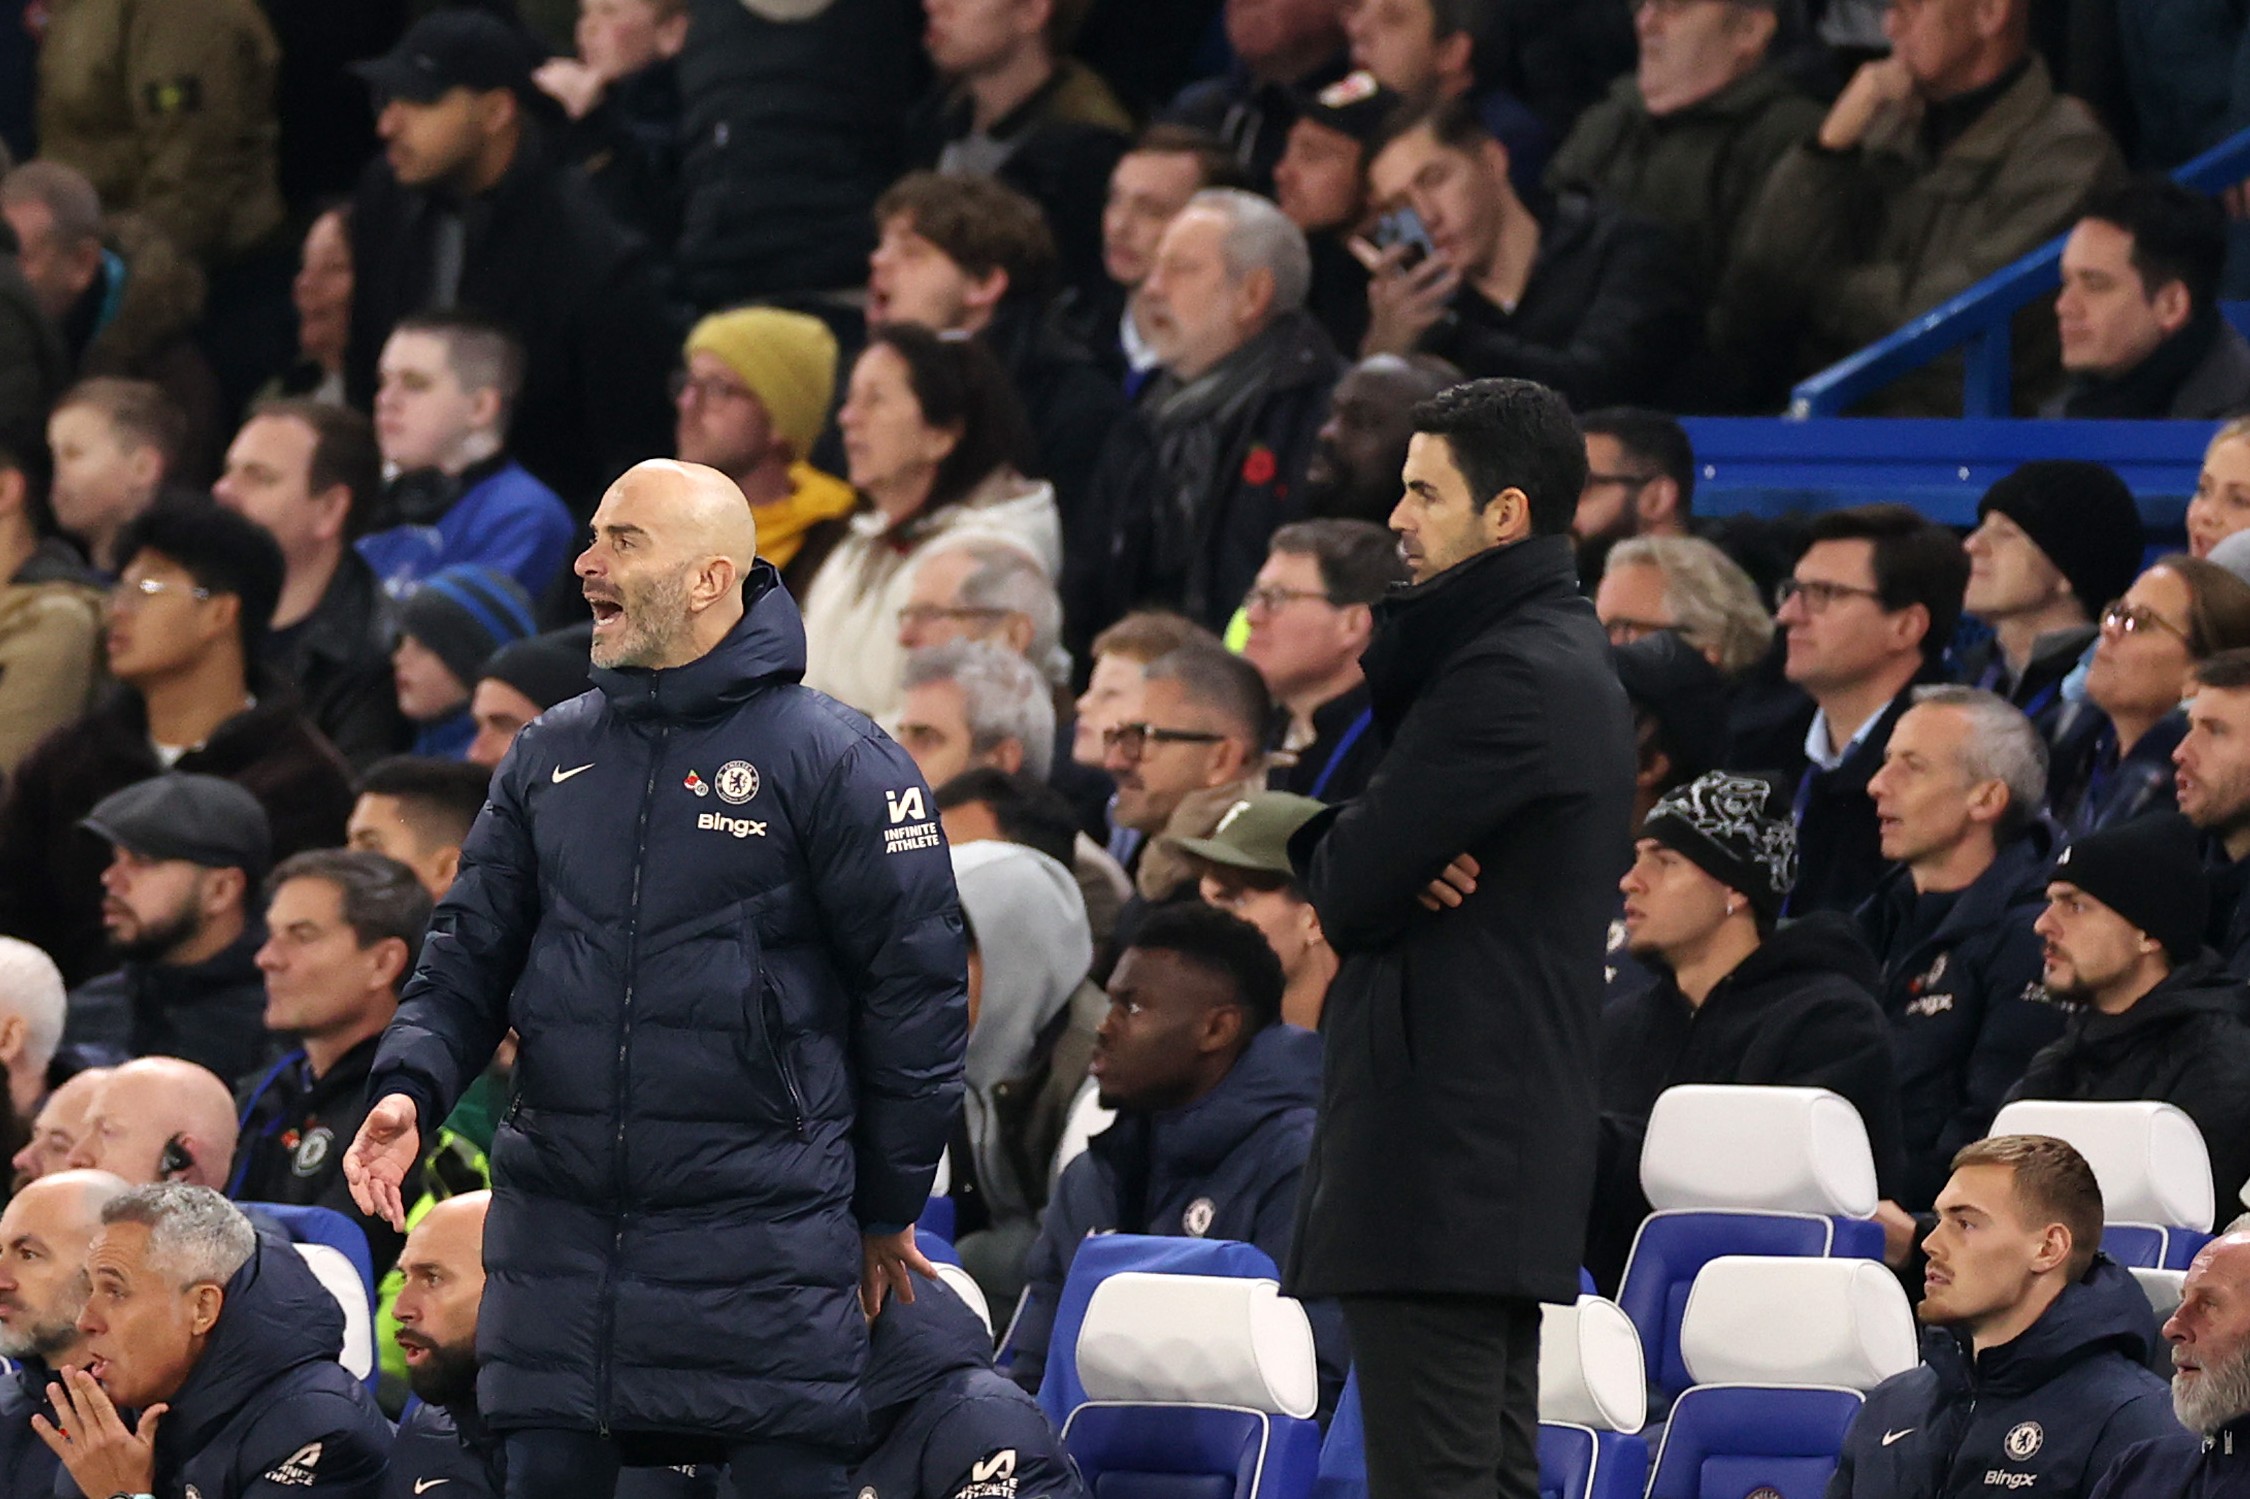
[422, 1484]
[562, 775]
[1888, 1437]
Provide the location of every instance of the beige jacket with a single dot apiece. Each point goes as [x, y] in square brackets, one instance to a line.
[50, 661]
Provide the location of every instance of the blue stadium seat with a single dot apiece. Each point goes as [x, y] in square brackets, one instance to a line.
[1105, 1255]
[1343, 1452]
[1740, 1170]
[937, 1218]
[335, 1248]
[316, 1225]
[1199, 1387]
[2153, 1166]
[1782, 1350]
[1593, 1399]
[936, 1248]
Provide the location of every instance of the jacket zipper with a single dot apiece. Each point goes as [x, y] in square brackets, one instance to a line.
[624, 1046]
[770, 1012]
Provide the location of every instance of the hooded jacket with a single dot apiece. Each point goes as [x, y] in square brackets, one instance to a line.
[1798, 1012]
[2179, 1466]
[2044, 1413]
[211, 1013]
[1963, 995]
[267, 1412]
[2184, 1042]
[717, 909]
[945, 1424]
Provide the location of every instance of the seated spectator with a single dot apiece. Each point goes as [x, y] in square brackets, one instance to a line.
[2138, 315]
[1011, 103]
[194, 1310]
[1738, 999]
[1311, 615]
[58, 1126]
[50, 623]
[1679, 734]
[2221, 504]
[969, 704]
[1120, 654]
[2210, 1338]
[1281, 51]
[449, 627]
[1937, 165]
[1190, 490]
[2030, 1328]
[187, 852]
[419, 811]
[622, 96]
[1571, 292]
[32, 1002]
[751, 403]
[1032, 1018]
[990, 804]
[1640, 477]
[157, 1119]
[2211, 776]
[34, 367]
[321, 293]
[345, 928]
[1167, 165]
[1867, 613]
[1688, 138]
[1188, 744]
[1214, 1097]
[2113, 760]
[1685, 585]
[936, 442]
[310, 474]
[186, 624]
[1958, 798]
[1425, 51]
[113, 444]
[469, 207]
[1245, 872]
[453, 494]
[520, 681]
[44, 1235]
[939, 1414]
[1359, 452]
[2055, 542]
[972, 255]
[1320, 183]
[2158, 1018]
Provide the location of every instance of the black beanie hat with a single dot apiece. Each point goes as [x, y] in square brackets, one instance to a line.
[2083, 517]
[463, 614]
[548, 669]
[1736, 829]
[1675, 685]
[2149, 871]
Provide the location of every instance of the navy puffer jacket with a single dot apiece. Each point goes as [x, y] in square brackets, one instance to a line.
[717, 908]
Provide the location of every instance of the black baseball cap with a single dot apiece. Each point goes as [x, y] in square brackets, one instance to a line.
[202, 819]
[446, 50]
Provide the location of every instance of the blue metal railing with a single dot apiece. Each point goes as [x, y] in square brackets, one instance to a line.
[1977, 320]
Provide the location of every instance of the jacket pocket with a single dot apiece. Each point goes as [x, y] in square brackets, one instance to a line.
[772, 1040]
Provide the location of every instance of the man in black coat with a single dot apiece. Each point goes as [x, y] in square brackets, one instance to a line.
[469, 209]
[717, 910]
[1736, 999]
[1447, 1189]
[2210, 1338]
[2034, 1375]
[2158, 1017]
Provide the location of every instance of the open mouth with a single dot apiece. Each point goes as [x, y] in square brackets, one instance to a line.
[606, 611]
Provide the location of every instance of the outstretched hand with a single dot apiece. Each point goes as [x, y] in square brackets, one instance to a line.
[385, 1149]
[885, 1261]
[90, 1439]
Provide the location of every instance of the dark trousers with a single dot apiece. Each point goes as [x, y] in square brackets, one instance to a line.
[1449, 1391]
[544, 1463]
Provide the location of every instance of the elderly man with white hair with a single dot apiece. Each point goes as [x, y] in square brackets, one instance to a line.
[1215, 458]
[2210, 1337]
[31, 1021]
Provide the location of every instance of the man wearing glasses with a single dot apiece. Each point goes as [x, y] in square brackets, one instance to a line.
[1640, 481]
[1311, 613]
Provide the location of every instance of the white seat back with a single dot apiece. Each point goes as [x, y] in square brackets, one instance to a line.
[2162, 1288]
[1087, 1118]
[1590, 1371]
[1800, 1150]
[334, 1271]
[1782, 1320]
[964, 1285]
[1198, 1340]
[2149, 1157]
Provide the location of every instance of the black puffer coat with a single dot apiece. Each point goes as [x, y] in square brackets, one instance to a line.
[717, 908]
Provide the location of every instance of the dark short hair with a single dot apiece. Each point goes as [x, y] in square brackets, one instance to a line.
[1652, 438]
[959, 383]
[141, 412]
[1452, 123]
[982, 224]
[1224, 683]
[1222, 943]
[482, 353]
[2053, 1182]
[2178, 234]
[1029, 811]
[380, 897]
[344, 452]
[2218, 604]
[1512, 434]
[441, 798]
[1215, 164]
[1358, 559]
[2229, 671]
[224, 552]
[1917, 561]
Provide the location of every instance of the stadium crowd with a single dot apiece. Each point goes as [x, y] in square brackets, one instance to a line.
[1067, 356]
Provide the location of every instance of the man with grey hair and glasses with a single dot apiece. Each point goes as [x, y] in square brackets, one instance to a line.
[2210, 1337]
[225, 1344]
[1958, 798]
